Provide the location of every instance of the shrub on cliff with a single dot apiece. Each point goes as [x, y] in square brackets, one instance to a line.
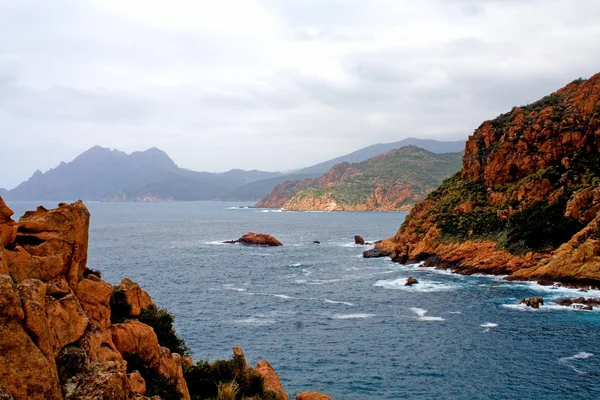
[70, 361]
[156, 383]
[203, 379]
[162, 322]
[119, 308]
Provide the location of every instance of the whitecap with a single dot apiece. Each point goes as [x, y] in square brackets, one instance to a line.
[323, 281]
[270, 210]
[337, 302]
[279, 296]
[454, 312]
[217, 242]
[295, 265]
[421, 315]
[489, 325]
[422, 286]
[254, 321]
[549, 307]
[352, 316]
[579, 356]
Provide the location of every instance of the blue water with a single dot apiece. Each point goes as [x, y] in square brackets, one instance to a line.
[331, 321]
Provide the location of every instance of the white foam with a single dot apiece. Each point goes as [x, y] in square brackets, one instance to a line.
[549, 307]
[323, 281]
[352, 316]
[271, 210]
[422, 286]
[454, 312]
[218, 242]
[421, 315]
[337, 302]
[489, 325]
[254, 321]
[579, 356]
[283, 296]
[306, 272]
[295, 265]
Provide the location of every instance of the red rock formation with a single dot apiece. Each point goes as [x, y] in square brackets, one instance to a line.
[526, 202]
[259, 239]
[312, 396]
[272, 383]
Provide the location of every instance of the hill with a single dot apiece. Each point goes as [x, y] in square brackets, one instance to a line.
[392, 181]
[257, 190]
[527, 198]
[151, 175]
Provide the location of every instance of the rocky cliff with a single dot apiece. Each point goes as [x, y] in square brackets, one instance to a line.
[67, 334]
[393, 181]
[526, 201]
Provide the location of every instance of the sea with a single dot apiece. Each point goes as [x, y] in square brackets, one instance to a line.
[328, 320]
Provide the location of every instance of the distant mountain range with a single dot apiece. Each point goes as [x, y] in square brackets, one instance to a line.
[104, 174]
[256, 190]
[111, 175]
[393, 181]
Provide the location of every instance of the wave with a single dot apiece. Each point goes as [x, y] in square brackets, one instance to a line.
[269, 210]
[296, 265]
[579, 356]
[421, 315]
[549, 307]
[254, 321]
[422, 286]
[279, 296]
[352, 316]
[337, 302]
[218, 242]
[489, 325]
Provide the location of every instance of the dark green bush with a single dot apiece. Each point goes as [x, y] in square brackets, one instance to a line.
[162, 322]
[203, 378]
[119, 308]
[471, 225]
[156, 383]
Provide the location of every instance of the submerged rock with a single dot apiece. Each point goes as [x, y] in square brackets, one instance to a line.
[534, 302]
[411, 281]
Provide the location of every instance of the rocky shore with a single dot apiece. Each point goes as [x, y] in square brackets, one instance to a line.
[67, 334]
[526, 202]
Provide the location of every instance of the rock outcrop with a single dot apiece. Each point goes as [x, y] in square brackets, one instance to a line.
[534, 302]
[526, 201]
[411, 281]
[256, 239]
[389, 182]
[359, 240]
[312, 396]
[67, 334]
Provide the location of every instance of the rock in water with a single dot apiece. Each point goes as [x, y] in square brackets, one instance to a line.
[312, 396]
[316, 242]
[359, 240]
[533, 302]
[375, 253]
[256, 239]
[411, 281]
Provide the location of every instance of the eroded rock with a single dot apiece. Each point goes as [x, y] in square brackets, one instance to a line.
[272, 383]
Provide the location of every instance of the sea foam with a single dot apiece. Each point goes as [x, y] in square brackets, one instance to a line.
[421, 315]
[422, 286]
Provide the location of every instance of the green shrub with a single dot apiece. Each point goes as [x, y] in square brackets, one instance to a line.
[119, 308]
[162, 322]
[156, 383]
[203, 378]
[475, 224]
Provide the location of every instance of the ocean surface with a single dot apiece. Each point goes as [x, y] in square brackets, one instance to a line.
[329, 320]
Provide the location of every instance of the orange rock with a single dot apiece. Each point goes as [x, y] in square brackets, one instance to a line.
[99, 347]
[66, 319]
[272, 383]
[238, 354]
[259, 239]
[135, 297]
[24, 370]
[94, 295]
[138, 385]
[312, 396]
[134, 337]
[171, 366]
[33, 300]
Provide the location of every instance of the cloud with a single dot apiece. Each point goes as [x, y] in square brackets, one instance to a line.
[269, 84]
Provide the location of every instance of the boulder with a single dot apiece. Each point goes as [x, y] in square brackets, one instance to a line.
[259, 239]
[134, 337]
[316, 242]
[533, 302]
[411, 281]
[238, 354]
[33, 301]
[376, 253]
[359, 240]
[135, 296]
[138, 385]
[94, 295]
[271, 380]
[66, 319]
[312, 396]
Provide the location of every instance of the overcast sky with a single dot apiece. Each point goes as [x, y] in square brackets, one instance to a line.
[273, 85]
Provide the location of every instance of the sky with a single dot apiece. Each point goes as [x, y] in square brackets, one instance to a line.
[272, 85]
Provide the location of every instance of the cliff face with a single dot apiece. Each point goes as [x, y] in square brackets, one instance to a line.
[526, 201]
[67, 334]
[389, 182]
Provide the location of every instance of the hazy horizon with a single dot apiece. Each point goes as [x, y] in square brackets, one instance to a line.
[272, 85]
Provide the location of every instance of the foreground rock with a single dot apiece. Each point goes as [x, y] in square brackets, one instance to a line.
[411, 281]
[67, 334]
[312, 396]
[376, 253]
[534, 302]
[256, 239]
[525, 203]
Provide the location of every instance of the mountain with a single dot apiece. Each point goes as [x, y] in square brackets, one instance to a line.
[526, 202]
[389, 182]
[104, 174]
[257, 190]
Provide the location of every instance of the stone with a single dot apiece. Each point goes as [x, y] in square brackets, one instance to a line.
[94, 295]
[33, 300]
[66, 319]
[134, 337]
[136, 297]
[312, 396]
[272, 383]
[259, 239]
[411, 281]
[533, 302]
[376, 253]
[138, 385]
[238, 354]
[359, 240]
